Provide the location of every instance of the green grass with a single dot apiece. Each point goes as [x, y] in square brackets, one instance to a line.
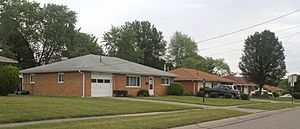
[269, 106]
[161, 121]
[198, 100]
[30, 108]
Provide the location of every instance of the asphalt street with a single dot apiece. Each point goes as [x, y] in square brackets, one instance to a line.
[282, 120]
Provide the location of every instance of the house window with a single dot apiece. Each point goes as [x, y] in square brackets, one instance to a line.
[100, 80]
[106, 81]
[165, 81]
[133, 81]
[32, 78]
[61, 78]
[94, 80]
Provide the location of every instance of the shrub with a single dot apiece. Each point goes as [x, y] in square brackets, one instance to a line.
[228, 95]
[275, 94]
[200, 94]
[244, 96]
[120, 93]
[296, 95]
[9, 80]
[143, 93]
[175, 89]
[213, 95]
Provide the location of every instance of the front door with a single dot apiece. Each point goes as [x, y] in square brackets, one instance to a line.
[151, 86]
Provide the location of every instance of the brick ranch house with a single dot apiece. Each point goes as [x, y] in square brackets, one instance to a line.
[243, 85]
[192, 80]
[95, 76]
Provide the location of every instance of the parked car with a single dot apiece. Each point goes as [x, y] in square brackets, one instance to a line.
[286, 95]
[233, 87]
[270, 94]
[222, 90]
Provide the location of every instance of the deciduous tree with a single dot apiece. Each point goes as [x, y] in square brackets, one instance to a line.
[263, 58]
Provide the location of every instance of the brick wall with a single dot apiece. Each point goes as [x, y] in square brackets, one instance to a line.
[119, 83]
[47, 84]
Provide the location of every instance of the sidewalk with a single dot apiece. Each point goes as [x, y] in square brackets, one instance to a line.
[195, 105]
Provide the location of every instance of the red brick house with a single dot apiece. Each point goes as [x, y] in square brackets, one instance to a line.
[94, 75]
[243, 85]
[192, 79]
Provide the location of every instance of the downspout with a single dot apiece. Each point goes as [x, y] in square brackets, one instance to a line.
[83, 83]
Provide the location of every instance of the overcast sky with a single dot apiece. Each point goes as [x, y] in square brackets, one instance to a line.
[201, 19]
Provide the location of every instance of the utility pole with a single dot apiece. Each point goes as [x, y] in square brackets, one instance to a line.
[204, 91]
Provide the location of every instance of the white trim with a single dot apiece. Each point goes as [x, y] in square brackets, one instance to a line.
[63, 76]
[30, 79]
[140, 82]
[165, 78]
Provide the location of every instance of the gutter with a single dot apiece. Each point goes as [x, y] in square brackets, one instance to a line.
[83, 83]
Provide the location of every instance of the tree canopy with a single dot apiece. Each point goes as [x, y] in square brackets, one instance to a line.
[181, 47]
[38, 35]
[263, 58]
[214, 66]
[137, 41]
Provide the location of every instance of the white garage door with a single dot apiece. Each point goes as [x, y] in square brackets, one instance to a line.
[101, 84]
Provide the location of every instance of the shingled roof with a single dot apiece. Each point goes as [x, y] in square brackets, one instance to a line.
[185, 74]
[240, 81]
[96, 63]
[7, 60]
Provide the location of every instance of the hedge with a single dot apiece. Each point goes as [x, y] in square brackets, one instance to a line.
[213, 95]
[9, 80]
[143, 93]
[228, 95]
[120, 93]
[175, 89]
[244, 96]
[296, 95]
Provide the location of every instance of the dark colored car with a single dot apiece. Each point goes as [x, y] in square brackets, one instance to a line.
[222, 90]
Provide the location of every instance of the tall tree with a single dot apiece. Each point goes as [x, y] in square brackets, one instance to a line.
[181, 47]
[137, 41]
[82, 44]
[38, 35]
[263, 59]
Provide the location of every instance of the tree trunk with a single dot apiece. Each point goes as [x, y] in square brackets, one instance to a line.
[260, 88]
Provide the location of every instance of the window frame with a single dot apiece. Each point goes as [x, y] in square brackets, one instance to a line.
[136, 76]
[162, 81]
[32, 81]
[58, 78]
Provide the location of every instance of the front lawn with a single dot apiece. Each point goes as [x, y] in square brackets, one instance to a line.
[161, 121]
[29, 108]
[269, 106]
[198, 100]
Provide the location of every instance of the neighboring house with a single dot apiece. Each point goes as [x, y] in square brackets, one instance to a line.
[5, 61]
[94, 75]
[273, 89]
[243, 85]
[192, 80]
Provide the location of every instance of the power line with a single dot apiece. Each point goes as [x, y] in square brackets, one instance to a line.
[223, 35]
[234, 42]
[287, 36]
